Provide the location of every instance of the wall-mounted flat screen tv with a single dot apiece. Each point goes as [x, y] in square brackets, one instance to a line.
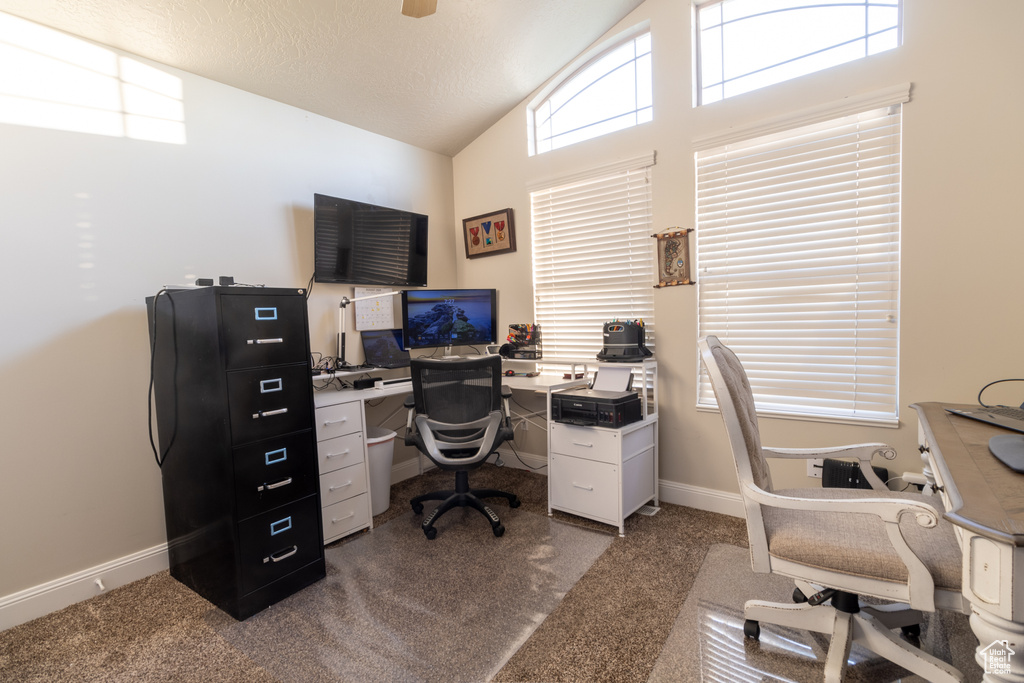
[361, 244]
[449, 317]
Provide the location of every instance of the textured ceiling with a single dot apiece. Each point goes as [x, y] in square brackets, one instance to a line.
[436, 82]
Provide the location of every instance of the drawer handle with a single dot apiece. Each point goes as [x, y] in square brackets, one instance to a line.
[328, 423]
[335, 455]
[585, 445]
[275, 340]
[282, 555]
[340, 486]
[275, 485]
[581, 486]
[268, 413]
[350, 515]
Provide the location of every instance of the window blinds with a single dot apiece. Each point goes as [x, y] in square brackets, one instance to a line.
[593, 258]
[798, 257]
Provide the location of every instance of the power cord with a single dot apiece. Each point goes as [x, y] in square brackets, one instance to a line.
[981, 403]
[161, 458]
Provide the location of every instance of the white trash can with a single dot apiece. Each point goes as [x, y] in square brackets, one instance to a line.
[380, 449]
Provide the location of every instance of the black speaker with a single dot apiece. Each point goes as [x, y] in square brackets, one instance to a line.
[843, 474]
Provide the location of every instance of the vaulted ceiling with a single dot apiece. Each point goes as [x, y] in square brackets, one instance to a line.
[436, 82]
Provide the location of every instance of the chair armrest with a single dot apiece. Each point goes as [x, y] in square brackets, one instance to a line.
[862, 452]
[491, 424]
[506, 392]
[889, 510]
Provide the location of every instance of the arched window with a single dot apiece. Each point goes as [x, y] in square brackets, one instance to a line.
[743, 45]
[611, 92]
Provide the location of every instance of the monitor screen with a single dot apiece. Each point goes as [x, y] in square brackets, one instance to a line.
[383, 349]
[362, 244]
[449, 317]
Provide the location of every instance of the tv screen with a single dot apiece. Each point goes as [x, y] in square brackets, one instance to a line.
[362, 244]
[449, 317]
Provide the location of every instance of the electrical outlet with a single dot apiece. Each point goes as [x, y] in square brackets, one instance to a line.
[814, 468]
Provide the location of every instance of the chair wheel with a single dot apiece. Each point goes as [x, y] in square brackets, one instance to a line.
[751, 629]
[417, 508]
[499, 530]
[431, 533]
[514, 503]
[912, 631]
[798, 596]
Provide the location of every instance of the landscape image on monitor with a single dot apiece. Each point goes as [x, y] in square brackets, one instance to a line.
[449, 318]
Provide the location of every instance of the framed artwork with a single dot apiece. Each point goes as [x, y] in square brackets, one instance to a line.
[489, 234]
[674, 258]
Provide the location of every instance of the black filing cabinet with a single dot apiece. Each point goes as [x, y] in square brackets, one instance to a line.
[234, 407]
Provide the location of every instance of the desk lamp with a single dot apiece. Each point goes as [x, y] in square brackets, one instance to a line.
[345, 301]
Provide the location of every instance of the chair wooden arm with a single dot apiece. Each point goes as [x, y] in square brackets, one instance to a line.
[920, 583]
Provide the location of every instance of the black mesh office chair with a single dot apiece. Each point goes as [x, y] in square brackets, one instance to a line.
[458, 416]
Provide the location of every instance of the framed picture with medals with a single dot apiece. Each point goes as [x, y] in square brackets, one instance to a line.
[489, 234]
[674, 257]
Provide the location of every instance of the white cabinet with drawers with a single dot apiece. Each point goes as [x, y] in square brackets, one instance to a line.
[601, 473]
[341, 456]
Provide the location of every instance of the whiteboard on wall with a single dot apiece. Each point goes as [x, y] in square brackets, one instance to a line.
[375, 313]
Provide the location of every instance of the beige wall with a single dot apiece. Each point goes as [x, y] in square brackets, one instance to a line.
[963, 156]
[78, 483]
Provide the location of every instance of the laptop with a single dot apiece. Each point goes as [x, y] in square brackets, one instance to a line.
[383, 349]
[1001, 416]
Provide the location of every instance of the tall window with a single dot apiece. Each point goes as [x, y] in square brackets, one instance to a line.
[612, 92]
[798, 250]
[593, 257]
[748, 44]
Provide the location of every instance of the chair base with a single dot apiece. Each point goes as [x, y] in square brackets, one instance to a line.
[462, 496]
[846, 628]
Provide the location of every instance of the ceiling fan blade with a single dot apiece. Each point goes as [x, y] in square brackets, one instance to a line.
[418, 8]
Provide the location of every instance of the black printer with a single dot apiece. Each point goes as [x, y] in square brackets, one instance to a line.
[595, 407]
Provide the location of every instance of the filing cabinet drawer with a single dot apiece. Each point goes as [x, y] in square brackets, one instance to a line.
[278, 542]
[263, 330]
[339, 419]
[345, 517]
[586, 442]
[341, 484]
[585, 487]
[265, 402]
[274, 472]
[340, 451]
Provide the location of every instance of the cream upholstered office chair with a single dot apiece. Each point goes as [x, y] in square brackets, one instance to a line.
[838, 544]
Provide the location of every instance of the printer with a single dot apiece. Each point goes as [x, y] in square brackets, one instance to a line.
[595, 407]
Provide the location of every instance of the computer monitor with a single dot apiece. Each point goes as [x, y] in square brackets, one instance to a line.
[383, 349]
[449, 317]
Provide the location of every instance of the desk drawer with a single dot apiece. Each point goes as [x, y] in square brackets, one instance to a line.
[344, 517]
[263, 330]
[278, 542]
[342, 484]
[585, 487]
[339, 419]
[273, 472]
[266, 402]
[586, 442]
[340, 451]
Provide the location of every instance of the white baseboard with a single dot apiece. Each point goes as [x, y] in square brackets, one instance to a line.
[701, 498]
[40, 600]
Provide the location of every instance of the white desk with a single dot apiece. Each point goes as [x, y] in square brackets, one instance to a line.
[985, 500]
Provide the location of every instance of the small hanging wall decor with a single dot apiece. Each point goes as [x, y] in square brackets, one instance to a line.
[489, 234]
[674, 257]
